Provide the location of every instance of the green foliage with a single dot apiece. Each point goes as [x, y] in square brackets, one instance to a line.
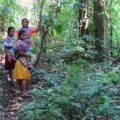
[85, 93]
[113, 75]
[8, 10]
[80, 90]
[63, 38]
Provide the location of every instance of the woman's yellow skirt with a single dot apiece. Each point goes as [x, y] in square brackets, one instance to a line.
[21, 72]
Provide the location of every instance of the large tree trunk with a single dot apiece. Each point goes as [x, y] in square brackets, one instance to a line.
[99, 24]
[83, 18]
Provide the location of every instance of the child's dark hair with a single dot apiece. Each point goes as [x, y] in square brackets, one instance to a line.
[10, 28]
[25, 19]
[20, 33]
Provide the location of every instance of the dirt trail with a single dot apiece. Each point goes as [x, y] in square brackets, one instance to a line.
[10, 100]
[5, 96]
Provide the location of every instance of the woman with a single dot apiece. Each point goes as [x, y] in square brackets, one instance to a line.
[30, 31]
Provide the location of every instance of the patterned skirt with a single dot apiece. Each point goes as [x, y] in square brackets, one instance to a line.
[21, 72]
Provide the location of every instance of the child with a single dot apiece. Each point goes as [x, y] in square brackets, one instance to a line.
[10, 58]
[23, 62]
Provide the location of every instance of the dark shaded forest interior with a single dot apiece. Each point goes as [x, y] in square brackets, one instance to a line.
[75, 57]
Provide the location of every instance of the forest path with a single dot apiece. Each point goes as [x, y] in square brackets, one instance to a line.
[10, 100]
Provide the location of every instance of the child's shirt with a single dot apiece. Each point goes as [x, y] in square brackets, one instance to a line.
[30, 31]
[21, 45]
[8, 43]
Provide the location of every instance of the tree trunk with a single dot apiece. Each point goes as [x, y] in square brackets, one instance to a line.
[41, 32]
[44, 29]
[99, 24]
[83, 18]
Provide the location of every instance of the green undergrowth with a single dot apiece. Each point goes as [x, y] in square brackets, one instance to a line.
[80, 91]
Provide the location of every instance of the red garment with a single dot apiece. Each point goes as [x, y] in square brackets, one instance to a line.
[31, 31]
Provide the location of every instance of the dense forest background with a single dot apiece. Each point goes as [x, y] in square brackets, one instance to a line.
[76, 57]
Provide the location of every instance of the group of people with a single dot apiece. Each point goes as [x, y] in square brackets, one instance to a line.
[17, 59]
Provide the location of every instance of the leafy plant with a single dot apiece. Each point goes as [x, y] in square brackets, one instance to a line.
[83, 94]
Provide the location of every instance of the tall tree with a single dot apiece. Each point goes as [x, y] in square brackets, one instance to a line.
[83, 18]
[99, 24]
